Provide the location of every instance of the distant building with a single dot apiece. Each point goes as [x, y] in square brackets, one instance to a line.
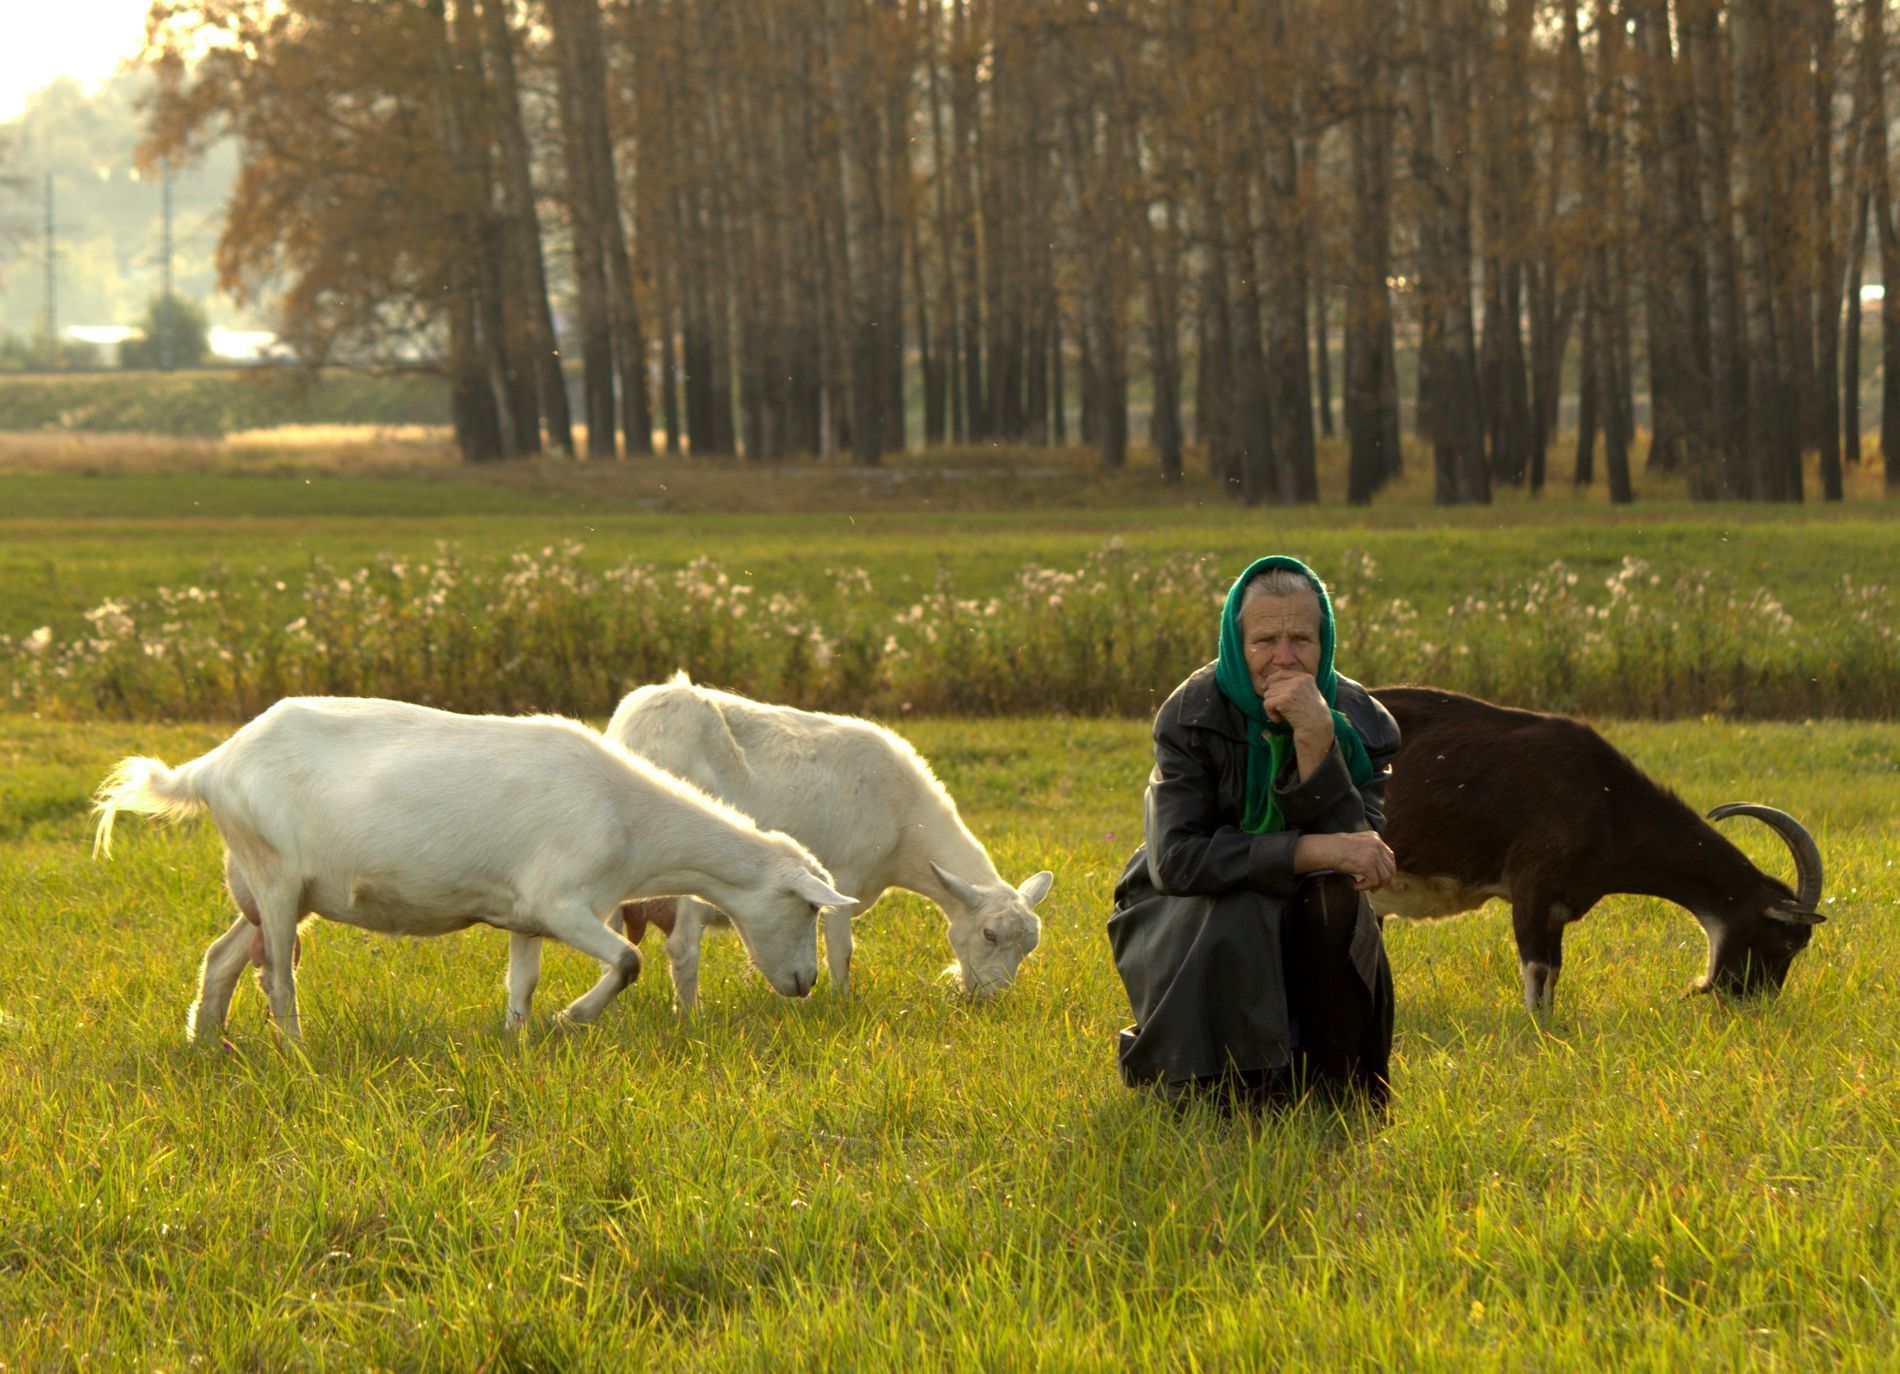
[227, 345]
[245, 345]
[103, 339]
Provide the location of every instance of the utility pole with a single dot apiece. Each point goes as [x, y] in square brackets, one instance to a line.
[52, 278]
[162, 317]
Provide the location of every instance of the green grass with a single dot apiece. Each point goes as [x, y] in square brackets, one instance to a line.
[68, 538]
[908, 1179]
[882, 608]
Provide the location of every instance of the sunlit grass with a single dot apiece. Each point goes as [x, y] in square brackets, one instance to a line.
[908, 1179]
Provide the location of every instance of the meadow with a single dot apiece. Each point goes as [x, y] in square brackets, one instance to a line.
[215, 402]
[1643, 1181]
[208, 594]
[906, 1178]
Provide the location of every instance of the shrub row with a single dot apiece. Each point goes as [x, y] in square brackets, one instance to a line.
[540, 630]
[210, 403]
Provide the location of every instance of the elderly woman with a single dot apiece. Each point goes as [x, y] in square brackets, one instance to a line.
[1241, 929]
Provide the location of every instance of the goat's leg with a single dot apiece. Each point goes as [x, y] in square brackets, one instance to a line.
[1538, 921]
[224, 963]
[277, 916]
[838, 947]
[682, 951]
[524, 971]
[576, 926]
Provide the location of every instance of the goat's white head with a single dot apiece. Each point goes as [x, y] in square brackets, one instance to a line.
[993, 928]
[778, 920]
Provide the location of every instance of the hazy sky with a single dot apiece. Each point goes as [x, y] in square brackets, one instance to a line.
[83, 39]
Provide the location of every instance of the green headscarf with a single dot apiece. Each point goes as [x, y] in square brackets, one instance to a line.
[1269, 742]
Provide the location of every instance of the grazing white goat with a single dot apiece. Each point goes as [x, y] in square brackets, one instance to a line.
[413, 821]
[856, 795]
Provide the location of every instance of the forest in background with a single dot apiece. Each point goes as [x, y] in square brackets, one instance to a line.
[765, 212]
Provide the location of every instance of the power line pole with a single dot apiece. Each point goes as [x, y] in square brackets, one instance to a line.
[52, 277]
[163, 315]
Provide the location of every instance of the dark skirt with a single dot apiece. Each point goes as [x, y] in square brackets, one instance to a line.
[1245, 986]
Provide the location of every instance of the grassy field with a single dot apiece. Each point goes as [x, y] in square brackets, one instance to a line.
[906, 1178]
[909, 1179]
[1507, 601]
[214, 402]
[83, 517]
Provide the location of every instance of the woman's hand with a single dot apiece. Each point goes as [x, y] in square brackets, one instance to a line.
[1362, 856]
[1292, 698]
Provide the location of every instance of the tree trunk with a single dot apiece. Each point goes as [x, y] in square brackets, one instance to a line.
[1159, 258]
[1854, 325]
[523, 232]
[1448, 365]
[1704, 54]
[1773, 396]
[1371, 394]
[1826, 286]
[1880, 173]
[1289, 367]
[584, 221]
[1253, 404]
[623, 314]
[477, 419]
[1614, 388]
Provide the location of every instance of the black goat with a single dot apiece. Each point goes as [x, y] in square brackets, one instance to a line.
[1486, 801]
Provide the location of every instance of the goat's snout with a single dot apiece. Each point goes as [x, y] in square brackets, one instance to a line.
[802, 983]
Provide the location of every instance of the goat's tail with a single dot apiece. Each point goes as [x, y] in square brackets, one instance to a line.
[147, 787]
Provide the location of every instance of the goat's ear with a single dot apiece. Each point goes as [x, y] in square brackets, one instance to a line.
[1036, 887]
[962, 891]
[1791, 915]
[819, 893]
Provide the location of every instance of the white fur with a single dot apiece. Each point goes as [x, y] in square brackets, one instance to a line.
[413, 821]
[856, 795]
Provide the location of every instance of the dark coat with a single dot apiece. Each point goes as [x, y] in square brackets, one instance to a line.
[1201, 931]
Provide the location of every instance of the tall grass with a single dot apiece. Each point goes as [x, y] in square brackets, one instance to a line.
[547, 630]
[906, 1180]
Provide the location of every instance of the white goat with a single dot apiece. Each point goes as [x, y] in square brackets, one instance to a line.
[412, 821]
[856, 795]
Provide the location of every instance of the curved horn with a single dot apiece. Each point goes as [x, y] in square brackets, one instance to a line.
[1807, 854]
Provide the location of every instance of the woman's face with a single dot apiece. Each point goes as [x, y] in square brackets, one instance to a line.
[1280, 634]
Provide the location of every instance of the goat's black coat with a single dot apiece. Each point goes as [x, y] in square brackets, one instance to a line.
[1546, 809]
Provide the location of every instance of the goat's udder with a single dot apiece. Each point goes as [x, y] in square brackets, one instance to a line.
[658, 912]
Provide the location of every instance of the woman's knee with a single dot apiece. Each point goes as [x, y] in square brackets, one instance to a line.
[1226, 921]
[1324, 912]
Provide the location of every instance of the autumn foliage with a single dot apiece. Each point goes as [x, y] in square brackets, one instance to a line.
[774, 227]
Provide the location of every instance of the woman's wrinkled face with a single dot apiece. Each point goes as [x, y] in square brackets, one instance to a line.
[1280, 634]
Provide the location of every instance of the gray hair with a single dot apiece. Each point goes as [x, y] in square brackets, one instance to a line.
[1276, 582]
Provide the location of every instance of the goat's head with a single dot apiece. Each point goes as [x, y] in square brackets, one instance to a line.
[993, 928]
[777, 916]
[1755, 933]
